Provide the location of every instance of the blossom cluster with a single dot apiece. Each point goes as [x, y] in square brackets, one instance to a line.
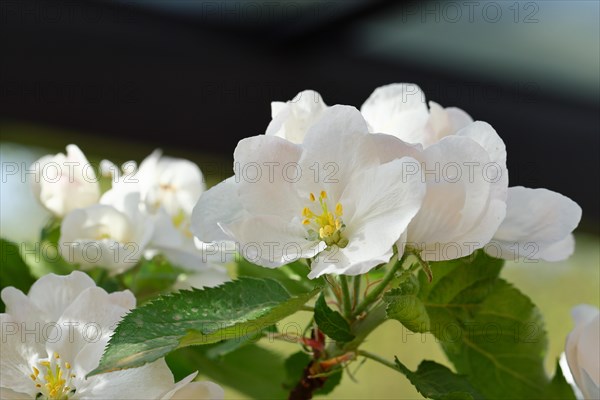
[145, 212]
[396, 173]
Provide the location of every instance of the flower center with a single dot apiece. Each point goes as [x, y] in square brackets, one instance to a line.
[182, 222]
[54, 382]
[326, 225]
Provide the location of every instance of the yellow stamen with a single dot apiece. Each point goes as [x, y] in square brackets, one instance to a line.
[327, 225]
[54, 386]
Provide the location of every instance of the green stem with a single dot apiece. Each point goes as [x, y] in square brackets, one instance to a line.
[377, 358]
[347, 305]
[356, 296]
[374, 294]
[307, 308]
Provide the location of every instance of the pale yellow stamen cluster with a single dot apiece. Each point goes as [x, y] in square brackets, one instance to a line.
[328, 224]
[55, 383]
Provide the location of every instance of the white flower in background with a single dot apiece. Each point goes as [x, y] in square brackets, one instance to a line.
[54, 336]
[292, 119]
[538, 225]
[167, 189]
[113, 236]
[400, 109]
[340, 200]
[174, 184]
[583, 350]
[63, 183]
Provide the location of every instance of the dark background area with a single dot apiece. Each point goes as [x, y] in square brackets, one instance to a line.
[201, 75]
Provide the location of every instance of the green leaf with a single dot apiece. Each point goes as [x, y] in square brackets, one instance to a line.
[489, 330]
[225, 347]
[559, 388]
[294, 368]
[231, 311]
[403, 305]
[251, 370]
[435, 381]
[14, 271]
[292, 276]
[331, 322]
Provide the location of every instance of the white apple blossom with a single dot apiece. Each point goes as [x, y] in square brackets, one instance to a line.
[583, 350]
[332, 196]
[63, 183]
[54, 336]
[113, 236]
[538, 225]
[292, 119]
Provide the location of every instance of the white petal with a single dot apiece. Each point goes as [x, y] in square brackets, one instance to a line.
[53, 294]
[292, 120]
[200, 390]
[186, 390]
[176, 185]
[588, 350]
[145, 382]
[443, 122]
[65, 182]
[338, 261]
[16, 355]
[398, 109]
[219, 204]
[101, 235]
[93, 315]
[463, 207]
[582, 349]
[8, 394]
[537, 219]
[264, 187]
[271, 241]
[458, 118]
[336, 148]
[558, 251]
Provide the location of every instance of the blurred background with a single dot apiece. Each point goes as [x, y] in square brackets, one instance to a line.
[120, 78]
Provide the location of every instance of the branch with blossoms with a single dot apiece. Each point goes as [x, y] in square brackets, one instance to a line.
[398, 211]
